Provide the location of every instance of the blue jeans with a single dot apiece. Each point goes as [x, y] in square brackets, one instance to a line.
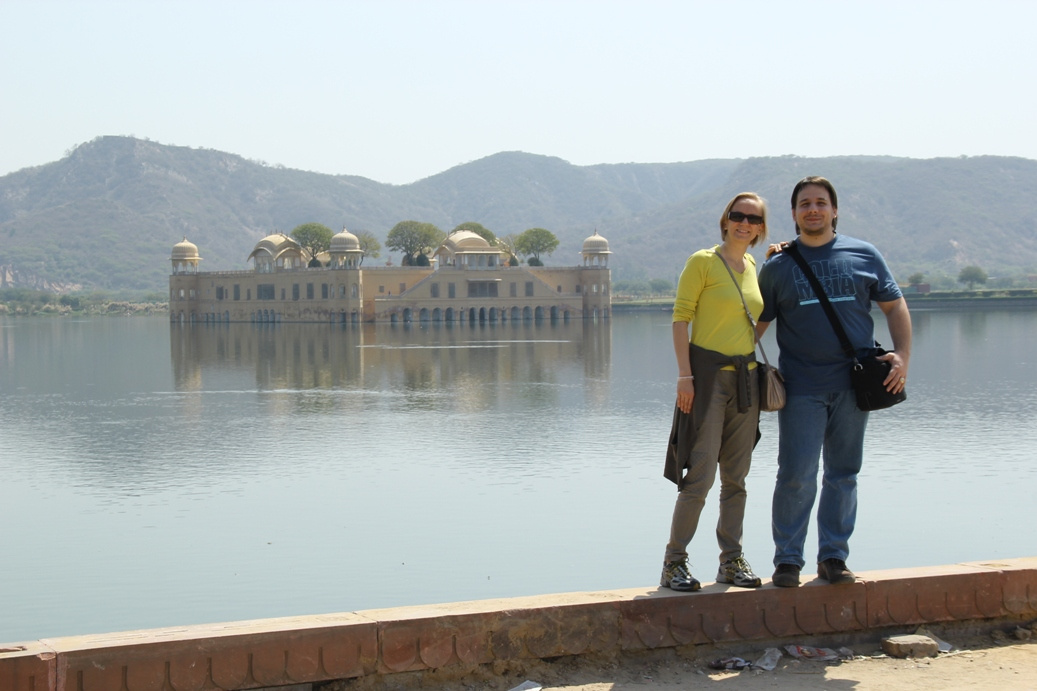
[829, 426]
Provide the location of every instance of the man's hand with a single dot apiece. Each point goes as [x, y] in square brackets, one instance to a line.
[776, 248]
[897, 377]
[899, 321]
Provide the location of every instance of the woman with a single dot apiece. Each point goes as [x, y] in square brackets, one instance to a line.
[716, 418]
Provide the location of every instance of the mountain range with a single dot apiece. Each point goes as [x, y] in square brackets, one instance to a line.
[107, 214]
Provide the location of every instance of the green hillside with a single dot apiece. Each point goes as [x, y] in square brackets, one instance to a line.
[107, 215]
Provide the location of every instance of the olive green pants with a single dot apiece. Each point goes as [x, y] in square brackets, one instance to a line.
[725, 441]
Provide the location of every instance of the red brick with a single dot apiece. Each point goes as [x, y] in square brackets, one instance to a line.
[28, 666]
[188, 671]
[436, 647]
[950, 593]
[778, 611]
[417, 638]
[270, 662]
[645, 621]
[473, 647]
[398, 648]
[231, 667]
[539, 637]
[348, 652]
[824, 608]
[100, 676]
[145, 675]
[595, 630]
[1020, 592]
[568, 630]
[686, 621]
[309, 649]
[722, 609]
[747, 619]
[303, 659]
[974, 596]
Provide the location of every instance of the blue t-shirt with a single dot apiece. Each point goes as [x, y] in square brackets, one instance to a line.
[853, 274]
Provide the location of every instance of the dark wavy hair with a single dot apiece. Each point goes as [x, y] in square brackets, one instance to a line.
[823, 182]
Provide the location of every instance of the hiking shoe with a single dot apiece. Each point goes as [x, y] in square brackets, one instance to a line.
[738, 572]
[786, 576]
[677, 577]
[835, 572]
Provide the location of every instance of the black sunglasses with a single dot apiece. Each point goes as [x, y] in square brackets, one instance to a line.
[751, 219]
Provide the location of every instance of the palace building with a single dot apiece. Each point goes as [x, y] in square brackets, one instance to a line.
[467, 280]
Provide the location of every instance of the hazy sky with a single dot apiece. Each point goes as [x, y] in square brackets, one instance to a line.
[398, 90]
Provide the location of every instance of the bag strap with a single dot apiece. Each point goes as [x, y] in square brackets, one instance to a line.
[792, 249]
[752, 322]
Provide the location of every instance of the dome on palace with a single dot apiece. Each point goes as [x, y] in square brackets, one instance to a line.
[344, 242]
[275, 245]
[184, 251]
[596, 244]
[466, 241]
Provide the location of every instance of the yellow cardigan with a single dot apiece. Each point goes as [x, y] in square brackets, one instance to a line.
[708, 299]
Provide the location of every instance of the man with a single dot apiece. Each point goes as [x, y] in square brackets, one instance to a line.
[820, 418]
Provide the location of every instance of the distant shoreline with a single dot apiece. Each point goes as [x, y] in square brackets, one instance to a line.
[937, 301]
[944, 300]
[956, 300]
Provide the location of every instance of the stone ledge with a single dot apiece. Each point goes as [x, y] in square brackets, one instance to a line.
[300, 650]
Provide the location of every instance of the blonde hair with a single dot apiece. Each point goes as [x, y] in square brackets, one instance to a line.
[762, 235]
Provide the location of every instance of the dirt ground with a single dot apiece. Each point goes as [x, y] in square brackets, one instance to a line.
[999, 667]
[982, 661]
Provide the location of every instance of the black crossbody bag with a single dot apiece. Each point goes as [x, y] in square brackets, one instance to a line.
[868, 373]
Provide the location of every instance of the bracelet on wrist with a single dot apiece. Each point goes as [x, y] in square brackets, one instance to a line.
[690, 376]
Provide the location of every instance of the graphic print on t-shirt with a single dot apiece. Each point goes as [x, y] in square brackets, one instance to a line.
[835, 276]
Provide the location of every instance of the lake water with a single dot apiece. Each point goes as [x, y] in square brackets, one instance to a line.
[156, 476]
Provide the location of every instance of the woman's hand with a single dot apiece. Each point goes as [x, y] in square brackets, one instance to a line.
[685, 394]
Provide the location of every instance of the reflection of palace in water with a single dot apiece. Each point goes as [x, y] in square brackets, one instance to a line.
[371, 358]
[467, 282]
